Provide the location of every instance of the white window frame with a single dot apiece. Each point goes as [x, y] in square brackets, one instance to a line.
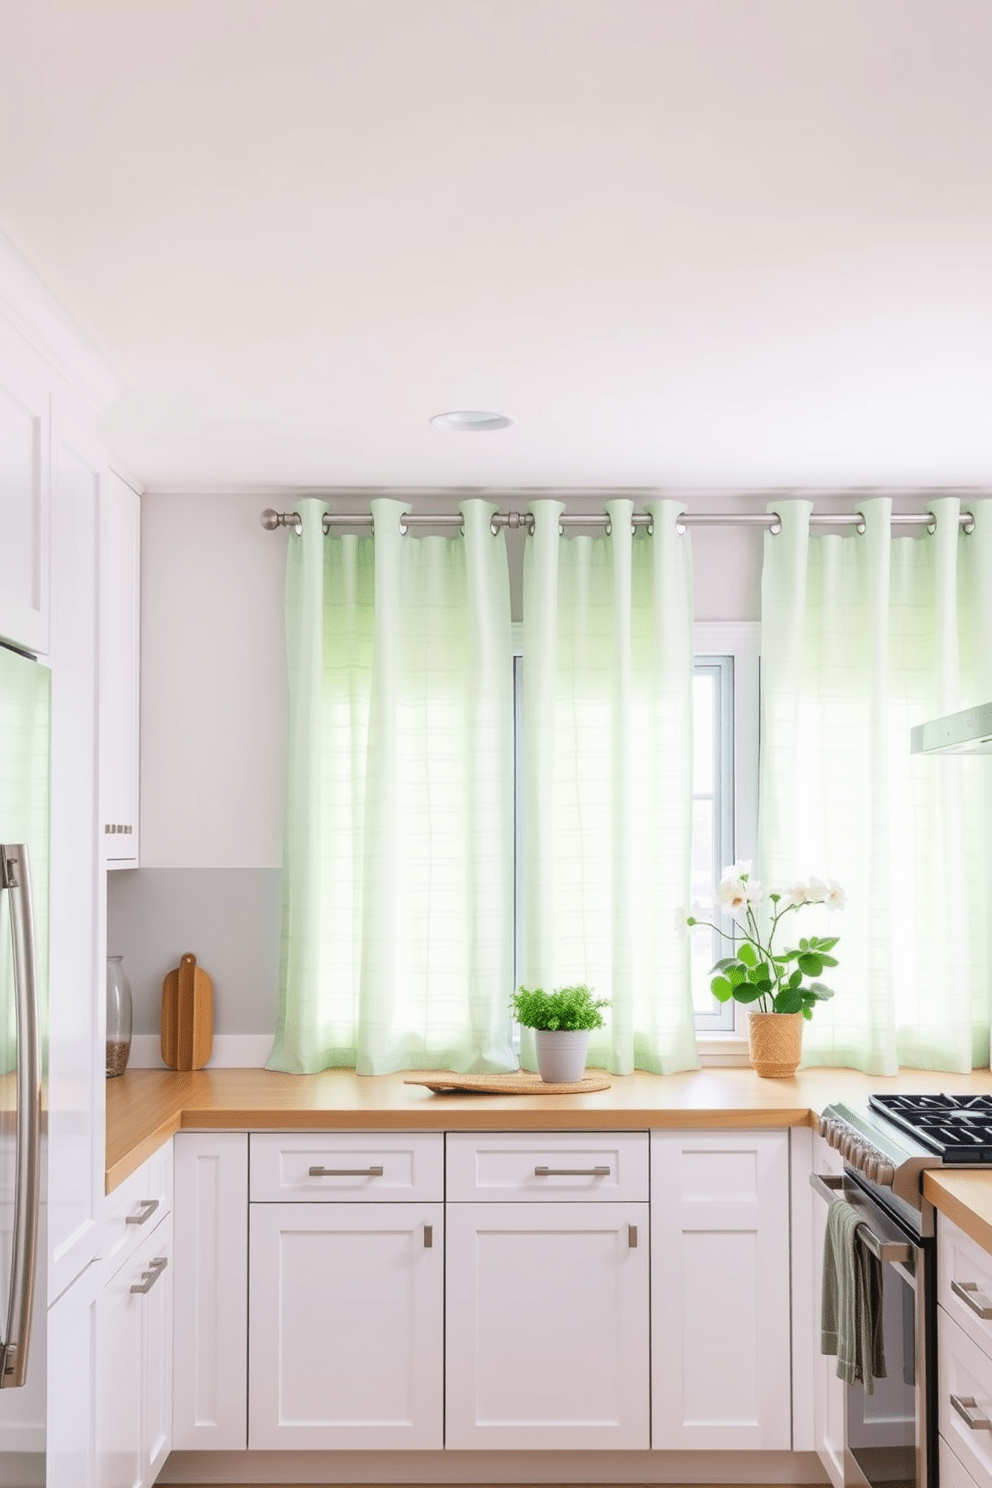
[740, 640]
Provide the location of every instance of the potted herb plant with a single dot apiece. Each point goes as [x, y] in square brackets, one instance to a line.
[783, 986]
[562, 1021]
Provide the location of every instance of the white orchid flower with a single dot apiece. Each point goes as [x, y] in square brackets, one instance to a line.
[736, 894]
[816, 891]
[836, 897]
[797, 893]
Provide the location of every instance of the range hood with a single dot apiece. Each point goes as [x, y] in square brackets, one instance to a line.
[968, 732]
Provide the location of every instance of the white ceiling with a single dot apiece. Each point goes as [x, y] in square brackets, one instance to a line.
[683, 243]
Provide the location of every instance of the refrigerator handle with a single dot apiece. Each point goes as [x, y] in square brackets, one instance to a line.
[15, 877]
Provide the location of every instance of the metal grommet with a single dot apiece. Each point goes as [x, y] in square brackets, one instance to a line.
[776, 524]
[968, 526]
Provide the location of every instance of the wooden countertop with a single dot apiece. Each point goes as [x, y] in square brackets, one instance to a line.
[145, 1107]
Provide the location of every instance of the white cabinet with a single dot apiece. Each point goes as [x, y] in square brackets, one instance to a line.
[547, 1325]
[547, 1290]
[120, 671]
[77, 975]
[720, 1290]
[25, 492]
[134, 1330]
[346, 1294]
[73, 1385]
[210, 1410]
[964, 1357]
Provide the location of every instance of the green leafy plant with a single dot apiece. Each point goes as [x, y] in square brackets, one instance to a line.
[565, 1010]
[785, 981]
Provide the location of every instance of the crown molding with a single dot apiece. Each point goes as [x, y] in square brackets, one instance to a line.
[35, 312]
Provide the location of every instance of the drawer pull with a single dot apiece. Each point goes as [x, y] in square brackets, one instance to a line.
[976, 1300]
[148, 1206]
[319, 1172]
[632, 1236]
[151, 1276]
[428, 1236]
[964, 1405]
[571, 1172]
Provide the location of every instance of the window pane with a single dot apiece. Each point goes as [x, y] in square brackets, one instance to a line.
[712, 826]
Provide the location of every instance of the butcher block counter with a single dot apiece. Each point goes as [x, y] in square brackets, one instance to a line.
[145, 1107]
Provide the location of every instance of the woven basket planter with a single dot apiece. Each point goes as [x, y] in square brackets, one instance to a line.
[775, 1043]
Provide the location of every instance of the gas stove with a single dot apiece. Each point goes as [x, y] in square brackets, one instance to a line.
[894, 1139]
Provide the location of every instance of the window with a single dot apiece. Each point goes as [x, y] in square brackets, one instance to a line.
[712, 825]
[725, 785]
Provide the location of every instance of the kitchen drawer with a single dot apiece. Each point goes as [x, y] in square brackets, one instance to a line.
[532, 1167]
[135, 1208]
[963, 1264]
[953, 1474]
[964, 1373]
[345, 1167]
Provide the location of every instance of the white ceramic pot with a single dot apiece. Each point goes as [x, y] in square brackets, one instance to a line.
[561, 1057]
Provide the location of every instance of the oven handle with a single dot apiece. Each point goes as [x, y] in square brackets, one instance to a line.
[830, 1186]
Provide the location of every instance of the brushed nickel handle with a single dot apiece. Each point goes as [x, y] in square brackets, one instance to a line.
[890, 1252]
[632, 1236]
[972, 1297]
[15, 877]
[428, 1236]
[965, 1405]
[319, 1172]
[148, 1207]
[571, 1172]
[151, 1276]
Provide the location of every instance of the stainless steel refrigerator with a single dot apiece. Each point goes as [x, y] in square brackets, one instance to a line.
[25, 711]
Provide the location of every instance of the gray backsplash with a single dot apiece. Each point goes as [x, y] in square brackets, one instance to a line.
[228, 918]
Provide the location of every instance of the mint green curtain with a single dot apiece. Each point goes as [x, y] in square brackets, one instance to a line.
[863, 636]
[607, 725]
[398, 865]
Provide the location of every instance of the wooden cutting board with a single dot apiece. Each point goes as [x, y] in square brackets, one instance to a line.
[187, 1016]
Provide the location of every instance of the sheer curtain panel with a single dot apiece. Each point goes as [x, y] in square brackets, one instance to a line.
[607, 726]
[398, 863]
[863, 636]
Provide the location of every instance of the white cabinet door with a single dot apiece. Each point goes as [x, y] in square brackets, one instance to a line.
[346, 1346]
[829, 1391]
[134, 1348]
[119, 1389]
[156, 1351]
[77, 967]
[24, 492]
[211, 1291]
[73, 1385]
[720, 1290]
[120, 671]
[547, 1325]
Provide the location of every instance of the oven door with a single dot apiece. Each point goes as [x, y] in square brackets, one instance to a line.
[888, 1433]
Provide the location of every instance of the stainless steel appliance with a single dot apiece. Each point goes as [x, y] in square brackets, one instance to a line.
[886, 1146]
[24, 836]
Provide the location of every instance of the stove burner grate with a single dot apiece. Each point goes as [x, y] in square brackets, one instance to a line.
[956, 1127]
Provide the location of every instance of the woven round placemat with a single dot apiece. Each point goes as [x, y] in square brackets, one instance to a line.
[521, 1083]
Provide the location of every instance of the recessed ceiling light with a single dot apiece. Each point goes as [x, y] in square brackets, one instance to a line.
[471, 421]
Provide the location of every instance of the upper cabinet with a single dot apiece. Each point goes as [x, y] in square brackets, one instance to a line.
[120, 568]
[25, 492]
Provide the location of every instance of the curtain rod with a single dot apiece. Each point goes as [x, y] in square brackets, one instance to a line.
[271, 519]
